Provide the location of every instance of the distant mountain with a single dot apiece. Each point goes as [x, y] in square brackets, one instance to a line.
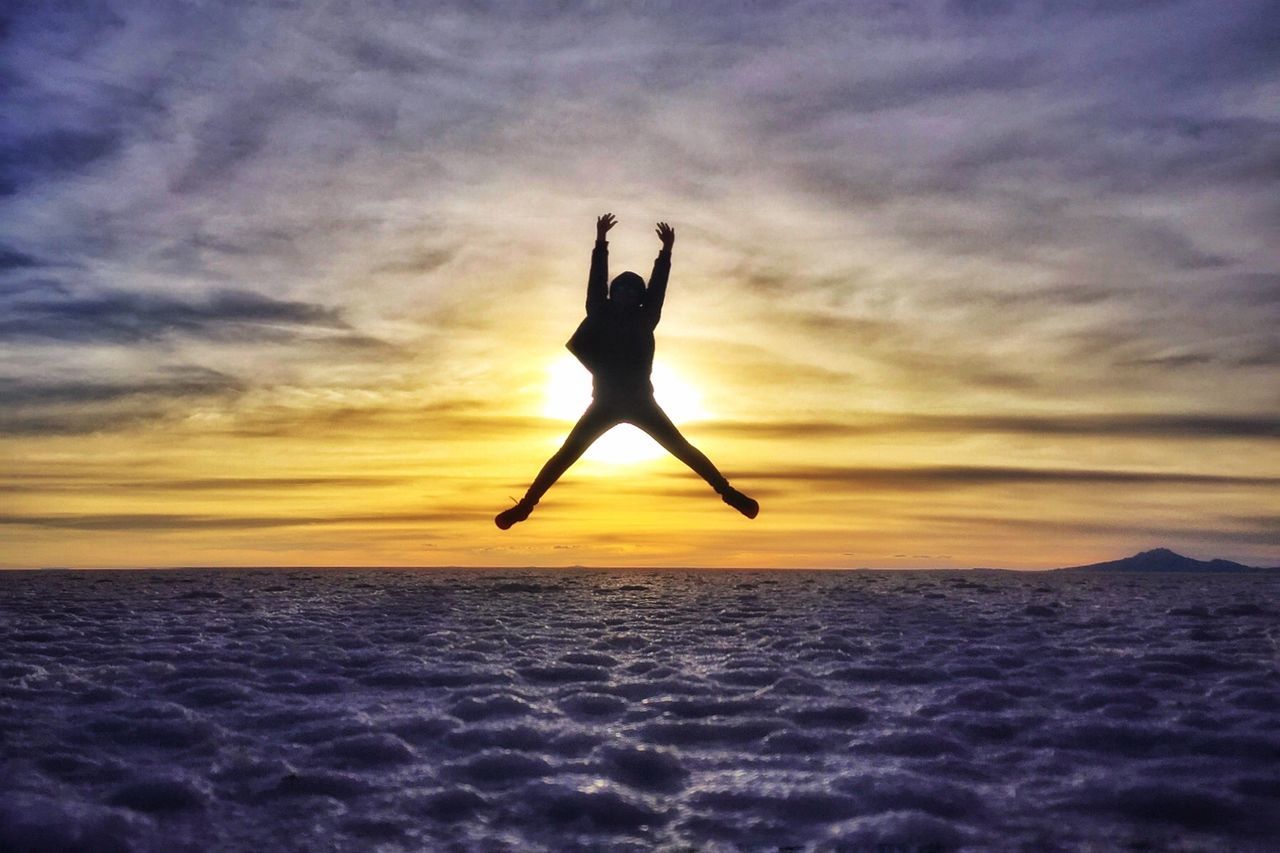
[1163, 560]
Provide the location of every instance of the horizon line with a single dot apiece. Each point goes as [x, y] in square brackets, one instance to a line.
[574, 567]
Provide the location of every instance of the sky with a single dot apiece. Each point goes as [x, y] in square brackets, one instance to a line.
[954, 283]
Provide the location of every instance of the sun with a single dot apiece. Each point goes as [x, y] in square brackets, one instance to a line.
[568, 393]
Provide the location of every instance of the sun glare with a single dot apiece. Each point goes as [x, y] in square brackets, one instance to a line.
[568, 393]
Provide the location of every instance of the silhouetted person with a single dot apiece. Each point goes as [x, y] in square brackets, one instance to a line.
[615, 342]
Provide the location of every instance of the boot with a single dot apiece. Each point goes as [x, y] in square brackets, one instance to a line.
[743, 504]
[514, 514]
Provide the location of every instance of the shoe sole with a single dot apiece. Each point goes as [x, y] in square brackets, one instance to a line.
[750, 510]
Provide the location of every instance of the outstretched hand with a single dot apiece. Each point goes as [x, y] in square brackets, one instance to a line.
[603, 224]
[667, 235]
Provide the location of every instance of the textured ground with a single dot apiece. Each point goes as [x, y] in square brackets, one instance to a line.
[612, 710]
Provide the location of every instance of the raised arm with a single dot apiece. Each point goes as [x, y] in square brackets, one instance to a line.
[598, 279]
[656, 292]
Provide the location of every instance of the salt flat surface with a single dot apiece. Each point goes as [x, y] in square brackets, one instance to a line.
[630, 710]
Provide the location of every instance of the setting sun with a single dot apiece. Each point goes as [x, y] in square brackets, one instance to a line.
[568, 393]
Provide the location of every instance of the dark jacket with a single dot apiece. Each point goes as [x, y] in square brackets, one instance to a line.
[616, 344]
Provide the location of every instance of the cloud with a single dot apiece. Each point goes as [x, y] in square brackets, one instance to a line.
[14, 260]
[130, 317]
[1230, 532]
[35, 407]
[183, 521]
[1164, 426]
[172, 383]
[960, 476]
[55, 482]
[239, 130]
[51, 154]
[459, 419]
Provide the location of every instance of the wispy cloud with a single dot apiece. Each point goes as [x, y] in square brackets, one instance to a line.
[1229, 533]
[129, 318]
[36, 407]
[63, 483]
[1167, 426]
[958, 476]
[178, 521]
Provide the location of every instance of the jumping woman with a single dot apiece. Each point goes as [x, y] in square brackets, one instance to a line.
[615, 343]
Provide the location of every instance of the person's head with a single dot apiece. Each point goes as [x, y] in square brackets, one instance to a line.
[627, 290]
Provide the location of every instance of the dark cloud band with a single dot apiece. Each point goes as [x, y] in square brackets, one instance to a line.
[132, 317]
[1168, 426]
[959, 476]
